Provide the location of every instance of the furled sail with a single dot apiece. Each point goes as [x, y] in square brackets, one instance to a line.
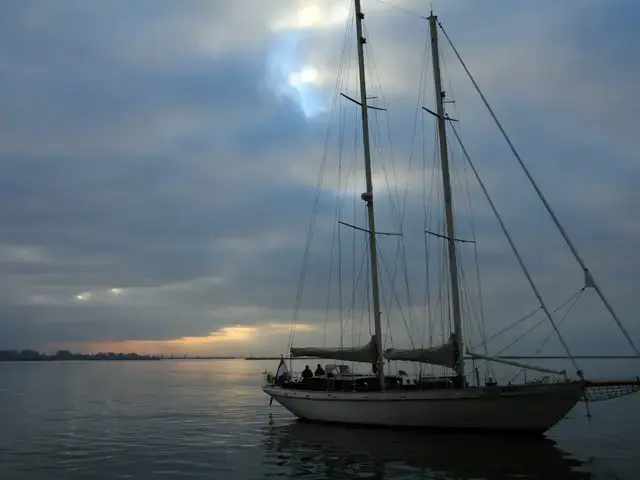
[365, 354]
[444, 355]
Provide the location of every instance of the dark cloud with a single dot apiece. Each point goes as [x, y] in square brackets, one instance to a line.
[148, 149]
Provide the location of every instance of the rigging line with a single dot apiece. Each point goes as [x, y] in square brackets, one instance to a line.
[469, 311]
[447, 294]
[445, 288]
[340, 115]
[483, 333]
[397, 299]
[394, 295]
[328, 297]
[367, 287]
[577, 297]
[346, 184]
[338, 207]
[516, 252]
[468, 298]
[339, 211]
[418, 104]
[353, 319]
[354, 147]
[363, 264]
[400, 254]
[428, 220]
[400, 208]
[443, 303]
[365, 295]
[589, 280]
[446, 291]
[477, 264]
[391, 283]
[462, 285]
[427, 289]
[427, 223]
[356, 279]
[395, 273]
[423, 71]
[521, 337]
[564, 317]
[387, 307]
[465, 284]
[402, 9]
[469, 212]
[421, 88]
[529, 315]
[373, 70]
[345, 44]
[353, 262]
[406, 282]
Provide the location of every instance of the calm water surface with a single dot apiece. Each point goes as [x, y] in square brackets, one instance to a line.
[209, 419]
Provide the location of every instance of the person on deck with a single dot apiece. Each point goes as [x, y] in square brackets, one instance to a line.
[319, 371]
[307, 373]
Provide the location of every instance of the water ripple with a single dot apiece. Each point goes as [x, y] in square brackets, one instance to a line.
[209, 419]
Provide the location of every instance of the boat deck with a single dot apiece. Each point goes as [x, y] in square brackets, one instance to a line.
[370, 383]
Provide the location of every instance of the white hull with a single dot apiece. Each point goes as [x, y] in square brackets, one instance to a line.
[530, 408]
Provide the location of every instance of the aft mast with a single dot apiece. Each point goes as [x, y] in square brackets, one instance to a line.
[368, 195]
[448, 203]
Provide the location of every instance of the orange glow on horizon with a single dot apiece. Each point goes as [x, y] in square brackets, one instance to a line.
[231, 340]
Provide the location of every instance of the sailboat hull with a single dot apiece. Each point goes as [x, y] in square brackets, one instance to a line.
[530, 409]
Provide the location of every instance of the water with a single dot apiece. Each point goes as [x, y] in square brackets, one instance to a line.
[209, 419]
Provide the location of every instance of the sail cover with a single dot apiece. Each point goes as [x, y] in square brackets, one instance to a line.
[365, 354]
[444, 355]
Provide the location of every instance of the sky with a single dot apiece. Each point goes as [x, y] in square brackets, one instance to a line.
[159, 160]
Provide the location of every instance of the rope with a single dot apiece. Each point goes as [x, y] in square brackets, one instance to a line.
[516, 253]
[401, 9]
[398, 211]
[314, 211]
[589, 280]
[395, 296]
[564, 317]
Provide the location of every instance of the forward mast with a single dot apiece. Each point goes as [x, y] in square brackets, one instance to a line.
[368, 195]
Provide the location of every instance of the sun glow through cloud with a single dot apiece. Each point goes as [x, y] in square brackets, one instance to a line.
[306, 76]
[311, 17]
[302, 84]
[292, 77]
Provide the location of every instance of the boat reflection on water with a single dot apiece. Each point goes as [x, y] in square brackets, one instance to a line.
[316, 451]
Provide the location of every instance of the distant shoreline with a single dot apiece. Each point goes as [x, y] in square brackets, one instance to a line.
[63, 355]
[29, 355]
[18, 360]
[138, 358]
[67, 356]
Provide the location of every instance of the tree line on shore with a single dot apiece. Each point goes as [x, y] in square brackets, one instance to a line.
[34, 355]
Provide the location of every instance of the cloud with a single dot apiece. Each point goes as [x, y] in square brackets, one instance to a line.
[158, 167]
